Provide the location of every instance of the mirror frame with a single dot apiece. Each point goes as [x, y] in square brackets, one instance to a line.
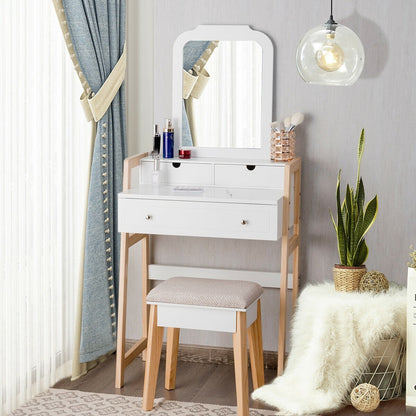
[225, 32]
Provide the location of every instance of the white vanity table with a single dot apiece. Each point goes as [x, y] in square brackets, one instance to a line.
[204, 198]
[235, 193]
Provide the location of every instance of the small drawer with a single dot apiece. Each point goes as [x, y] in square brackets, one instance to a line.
[199, 219]
[250, 176]
[178, 172]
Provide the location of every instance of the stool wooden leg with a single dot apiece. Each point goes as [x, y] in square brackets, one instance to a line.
[171, 357]
[255, 342]
[154, 348]
[241, 364]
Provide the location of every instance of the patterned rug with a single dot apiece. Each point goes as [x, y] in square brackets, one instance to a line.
[74, 402]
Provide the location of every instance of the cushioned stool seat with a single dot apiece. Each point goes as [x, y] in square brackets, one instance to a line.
[207, 304]
[206, 292]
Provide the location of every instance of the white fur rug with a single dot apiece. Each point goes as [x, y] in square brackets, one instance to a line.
[333, 335]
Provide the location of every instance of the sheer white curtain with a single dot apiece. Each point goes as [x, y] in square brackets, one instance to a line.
[43, 177]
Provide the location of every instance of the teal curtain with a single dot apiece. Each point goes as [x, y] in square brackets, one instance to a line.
[97, 30]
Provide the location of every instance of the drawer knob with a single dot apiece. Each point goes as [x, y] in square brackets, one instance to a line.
[148, 217]
[244, 222]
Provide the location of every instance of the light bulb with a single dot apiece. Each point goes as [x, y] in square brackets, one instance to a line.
[330, 57]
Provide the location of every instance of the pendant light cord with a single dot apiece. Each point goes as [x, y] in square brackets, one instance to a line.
[331, 20]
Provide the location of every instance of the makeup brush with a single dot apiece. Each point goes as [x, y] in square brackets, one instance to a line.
[275, 126]
[295, 120]
[286, 123]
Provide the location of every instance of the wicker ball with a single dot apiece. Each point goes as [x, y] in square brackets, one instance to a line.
[365, 397]
[374, 281]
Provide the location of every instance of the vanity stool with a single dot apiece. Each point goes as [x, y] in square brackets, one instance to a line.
[206, 304]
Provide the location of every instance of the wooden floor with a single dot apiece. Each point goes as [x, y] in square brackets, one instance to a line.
[195, 382]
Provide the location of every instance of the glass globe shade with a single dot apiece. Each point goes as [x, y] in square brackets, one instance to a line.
[330, 54]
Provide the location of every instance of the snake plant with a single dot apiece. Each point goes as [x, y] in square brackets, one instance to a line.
[353, 218]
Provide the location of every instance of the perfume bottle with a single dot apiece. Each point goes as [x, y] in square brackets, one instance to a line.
[168, 140]
[156, 157]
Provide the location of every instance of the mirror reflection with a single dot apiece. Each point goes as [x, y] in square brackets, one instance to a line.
[222, 83]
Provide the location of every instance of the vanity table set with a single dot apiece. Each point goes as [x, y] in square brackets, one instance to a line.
[232, 191]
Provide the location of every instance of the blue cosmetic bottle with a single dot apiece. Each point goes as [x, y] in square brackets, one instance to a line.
[168, 140]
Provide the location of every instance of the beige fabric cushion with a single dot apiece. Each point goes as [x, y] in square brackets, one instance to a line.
[206, 292]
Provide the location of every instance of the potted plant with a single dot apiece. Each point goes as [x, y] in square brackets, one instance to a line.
[354, 219]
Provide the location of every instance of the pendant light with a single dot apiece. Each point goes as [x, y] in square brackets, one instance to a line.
[330, 54]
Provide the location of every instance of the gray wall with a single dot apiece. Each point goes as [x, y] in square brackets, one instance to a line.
[382, 101]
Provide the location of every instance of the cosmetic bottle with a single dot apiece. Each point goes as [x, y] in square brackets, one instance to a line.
[156, 157]
[156, 170]
[168, 140]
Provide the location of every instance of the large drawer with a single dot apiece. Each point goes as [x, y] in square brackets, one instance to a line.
[199, 219]
[249, 176]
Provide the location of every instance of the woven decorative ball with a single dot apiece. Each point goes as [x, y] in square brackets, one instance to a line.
[373, 281]
[365, 397]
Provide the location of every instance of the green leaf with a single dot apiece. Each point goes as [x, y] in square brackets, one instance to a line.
[360, 155]
[348, 199]
[333, 221]
[344, 213]
[340, 226]
[360, 195]
[360, 256]
[352, 220]
[358, 227]
[370, 215]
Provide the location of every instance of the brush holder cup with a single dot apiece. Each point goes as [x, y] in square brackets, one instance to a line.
[282, 145]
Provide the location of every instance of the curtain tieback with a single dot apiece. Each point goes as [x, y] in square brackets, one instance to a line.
[194, 85]
[96, 105]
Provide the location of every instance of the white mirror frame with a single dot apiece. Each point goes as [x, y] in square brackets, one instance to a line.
[225, 32]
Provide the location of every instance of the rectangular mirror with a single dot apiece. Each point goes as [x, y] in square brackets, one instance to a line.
[222, 92]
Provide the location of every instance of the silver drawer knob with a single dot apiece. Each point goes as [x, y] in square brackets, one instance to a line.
[244, 222]
[148, 217]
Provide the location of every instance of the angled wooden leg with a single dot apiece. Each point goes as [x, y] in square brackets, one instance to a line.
[154, 348]
[255, 342]
[284, 270]
[145, 289]
[282, 322]
[296, 232]
[240, 364]
[122, 302]
[289, 246]
[171, 357]
[295, 290]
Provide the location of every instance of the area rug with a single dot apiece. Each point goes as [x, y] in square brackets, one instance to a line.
[333, 335]
[74, 402]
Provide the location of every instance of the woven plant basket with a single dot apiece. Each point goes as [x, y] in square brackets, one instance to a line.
[347, 278]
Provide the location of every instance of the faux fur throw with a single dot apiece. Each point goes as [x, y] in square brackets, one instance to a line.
[333, 335]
